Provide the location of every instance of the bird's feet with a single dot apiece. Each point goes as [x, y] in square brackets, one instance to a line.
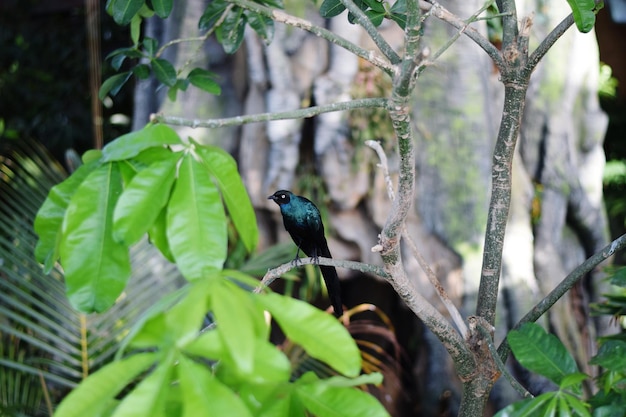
[296, 261]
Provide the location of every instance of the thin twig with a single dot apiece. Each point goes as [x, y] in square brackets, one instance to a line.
[432, 277]
[266, 117]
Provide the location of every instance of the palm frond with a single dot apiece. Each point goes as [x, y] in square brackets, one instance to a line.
[56, 342]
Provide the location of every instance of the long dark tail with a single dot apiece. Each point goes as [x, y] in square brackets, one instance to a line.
[332, 282]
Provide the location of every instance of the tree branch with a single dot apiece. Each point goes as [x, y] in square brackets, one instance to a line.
[266, 117]
[432, 277]
[549, 41]
[372, 31]
[564, 286]
[463, 27]
[282, 17]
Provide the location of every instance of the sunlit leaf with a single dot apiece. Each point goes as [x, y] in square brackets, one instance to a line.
[196, 222]
[131, 144]
[141, 202]
[101, 387]
[124, 10]
[303, 323]
[96, 266]
[223, 168]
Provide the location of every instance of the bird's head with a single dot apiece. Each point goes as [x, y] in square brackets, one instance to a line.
[281, 197]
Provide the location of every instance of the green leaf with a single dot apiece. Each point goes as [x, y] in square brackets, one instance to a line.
[531, 407]
[113, 84]
[235, 324]
[150, 45]
[141, 202]
[141, 71]
[162, 8]
[102, 386]
[262, 25]
[49, 220]
[211, 14]
[584, 14]
[573, 380]
[164, 71]
[148, 398]
[124, 10]
[375, 17]
[331, 8]
[230, 32]
[135, 28]
[204, 80]
[184, 319]
[303, 324]
[158, 235]
[324, 400]
[196, 222]
[375, 5]
[131, 144]
[611, 355]
[541, 352]
[223, 168]
[205, 395]
[96, 266]
[618, 278]
[580, 407]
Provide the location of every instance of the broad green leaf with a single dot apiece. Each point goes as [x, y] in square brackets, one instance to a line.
[235, 324]
[148, 398]
[611, 355]
[184, 320]
[102, 386]
[204, 80]
[158, 235]
[230, 33]
[141, 202]
[113, 84]
[150, 46]
[196, 222]
[331, 8]
[124, 10]
[50, 216]
[211, 14]
[162, 8]
[541, 352]
[205, 395]
[209, 345]
[375, 5]
[618, 277]
[531, 407]
[96, 266]
[131, 144]
[142, 71]
[262, 25]
[223, 168]
[324, 400]
[577, 405]
[303, 324]
[164, 71]
[584, 14]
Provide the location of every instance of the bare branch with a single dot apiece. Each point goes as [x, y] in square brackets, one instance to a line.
[441, 292]
[266, 117]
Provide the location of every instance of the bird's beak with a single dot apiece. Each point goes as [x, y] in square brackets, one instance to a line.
[272, 197]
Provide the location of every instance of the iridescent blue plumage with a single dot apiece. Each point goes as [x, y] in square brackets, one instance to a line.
[303, 222]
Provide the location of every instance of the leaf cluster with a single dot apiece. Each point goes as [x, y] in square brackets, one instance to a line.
[545, 355]
[170, 367]
[375, 10]
[138, 185]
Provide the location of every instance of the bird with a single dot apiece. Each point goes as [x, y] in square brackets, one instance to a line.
[303, 222]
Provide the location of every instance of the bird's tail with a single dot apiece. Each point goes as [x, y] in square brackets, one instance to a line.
[334, 288]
